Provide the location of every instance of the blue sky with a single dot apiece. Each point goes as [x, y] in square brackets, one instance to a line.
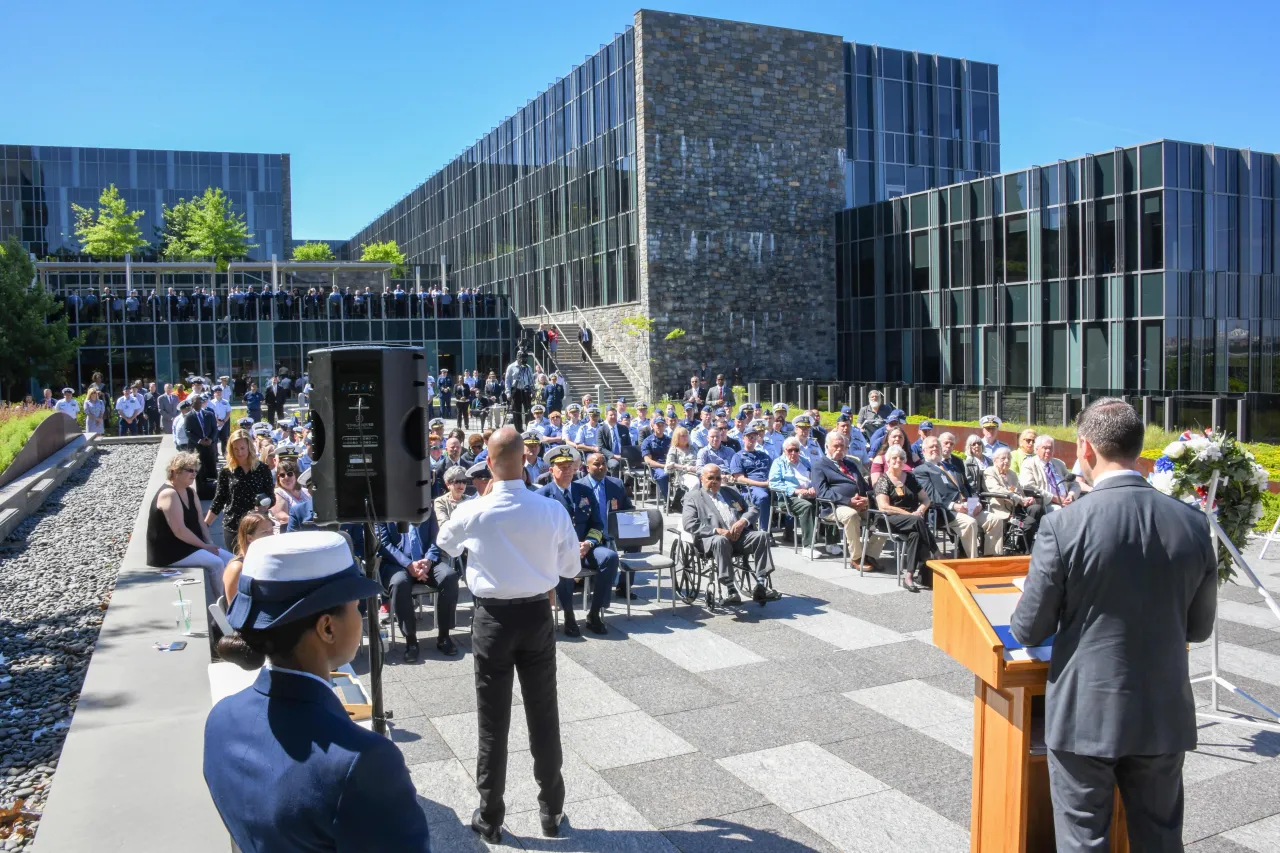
[372, 98]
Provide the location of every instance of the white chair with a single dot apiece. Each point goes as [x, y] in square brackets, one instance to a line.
[218, 610]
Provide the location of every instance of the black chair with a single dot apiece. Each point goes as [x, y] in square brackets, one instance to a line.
[630, 562]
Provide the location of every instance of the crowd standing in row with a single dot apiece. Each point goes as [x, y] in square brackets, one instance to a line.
[262, 302]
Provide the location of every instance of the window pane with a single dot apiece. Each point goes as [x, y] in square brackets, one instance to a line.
[1096, 374]
[920, 261]
[1016, 361]
[1150, 166]
[1055, 357]
[1105, 238]
[1152, 355]
[1049, 237]
[1015, 192]
[1104, 175]
[1152, 232]
[1017, 304]
[1051, 301]
[1016, 247]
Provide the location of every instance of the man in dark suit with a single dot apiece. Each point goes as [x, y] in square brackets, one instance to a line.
[409, 558]
[720, 521]
[613, 436]
[977, 532]
[202, 433]
[579, 500]
[838, 479]
[610, 495]
[1122, 579]
[275, 397]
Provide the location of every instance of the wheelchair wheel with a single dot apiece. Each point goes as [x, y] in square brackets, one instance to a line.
[685, 576]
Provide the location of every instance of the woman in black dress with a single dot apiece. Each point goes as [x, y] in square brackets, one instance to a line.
[904, 504]
[242, 485]
[176, 536]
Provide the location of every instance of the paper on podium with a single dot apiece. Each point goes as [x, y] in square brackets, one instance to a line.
[633, 525]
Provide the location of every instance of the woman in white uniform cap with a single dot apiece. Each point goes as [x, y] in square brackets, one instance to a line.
[287, 768]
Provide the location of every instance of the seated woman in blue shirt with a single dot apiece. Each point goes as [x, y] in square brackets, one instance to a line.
[287, 768]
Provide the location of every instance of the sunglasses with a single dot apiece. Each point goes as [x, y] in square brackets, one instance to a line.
[187, 470]
[793, 450]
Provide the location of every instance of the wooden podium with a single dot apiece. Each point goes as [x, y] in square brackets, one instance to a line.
[1012, 812]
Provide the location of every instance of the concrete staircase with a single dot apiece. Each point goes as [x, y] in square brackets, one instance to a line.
[582, 377]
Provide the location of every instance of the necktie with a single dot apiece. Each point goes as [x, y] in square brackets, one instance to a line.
[568, 502]
[415, 545]
[604, 505]
[1052, 478]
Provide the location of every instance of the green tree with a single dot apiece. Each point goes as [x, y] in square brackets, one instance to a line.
[172, 237]
[34, 340]
[387, 253]
[112, 230]
[215, 231]
[313, 252]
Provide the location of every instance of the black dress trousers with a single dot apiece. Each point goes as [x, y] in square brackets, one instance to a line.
[519, 638]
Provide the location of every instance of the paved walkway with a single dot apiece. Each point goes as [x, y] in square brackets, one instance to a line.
[825, 721]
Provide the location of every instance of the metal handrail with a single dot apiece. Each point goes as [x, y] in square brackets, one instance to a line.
[643, 389]
[546, 316]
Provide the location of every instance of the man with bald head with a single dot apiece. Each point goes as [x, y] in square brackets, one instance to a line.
[720, 521]
[520, 545]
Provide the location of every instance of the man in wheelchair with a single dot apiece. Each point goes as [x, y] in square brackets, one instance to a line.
[721, 523]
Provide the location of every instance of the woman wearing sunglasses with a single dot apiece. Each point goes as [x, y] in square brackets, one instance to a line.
[176, 534]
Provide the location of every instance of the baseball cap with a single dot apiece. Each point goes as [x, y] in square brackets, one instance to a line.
[897, 415]
[925, 425]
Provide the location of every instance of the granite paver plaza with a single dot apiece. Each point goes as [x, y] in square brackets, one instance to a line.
[825, 721]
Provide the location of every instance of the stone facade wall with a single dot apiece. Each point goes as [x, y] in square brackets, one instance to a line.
[740, 130]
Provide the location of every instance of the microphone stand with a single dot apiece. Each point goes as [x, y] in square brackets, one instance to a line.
[1272, 720]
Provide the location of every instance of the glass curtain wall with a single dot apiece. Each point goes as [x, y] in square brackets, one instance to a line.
[39, 185]
[1150, 269]
[542, 209]
[915, 121]
[169, 326]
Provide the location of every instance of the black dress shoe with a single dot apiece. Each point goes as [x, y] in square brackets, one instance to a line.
[446, 647]
[571, 628]
[595, 624]
[410, 652]
[620, 592]
[492, 834]
[550, 823]
[762, 594]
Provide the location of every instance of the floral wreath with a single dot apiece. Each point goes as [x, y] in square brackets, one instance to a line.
[1186, 470]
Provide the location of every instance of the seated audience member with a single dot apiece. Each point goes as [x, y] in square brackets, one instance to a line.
[475, 443]
[802, 428]
[253, 526]
[1048, 477]
[951, 461]
[904, 503]
[857, 441]
[923, 430]
[580, 500]
[791, 477]
[952, 496]
[999, 479]
[975, 463]
[682, 460]
[412, 557]
[895, 421]
[701, 434]
[611, 496]
[716, 452]
[455, 483]
[990, 435]
[292, 508]
[534, 465]
[749, 470]
[721, 523]
[876, 409]
[836, 478]
[655, 447]
[1025, 449]
[896, 437]
[176, 534]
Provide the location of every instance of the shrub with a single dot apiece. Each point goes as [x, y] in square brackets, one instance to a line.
[16, 426]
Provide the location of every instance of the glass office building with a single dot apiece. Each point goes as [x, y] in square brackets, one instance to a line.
[1146, 270]
[40, 183]
[543, 206]
[915, 121]
[203, 332]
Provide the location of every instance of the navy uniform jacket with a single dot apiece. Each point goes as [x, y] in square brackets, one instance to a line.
[289, 771]
[586, 511]
[615, 493]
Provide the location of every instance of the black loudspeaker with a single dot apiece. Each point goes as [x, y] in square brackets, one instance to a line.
[369, 446]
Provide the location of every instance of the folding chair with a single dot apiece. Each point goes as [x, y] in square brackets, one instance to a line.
[825, 516]
[878, 523]
[417, 593]
[778, 510]
[638, 562]
[586, 576]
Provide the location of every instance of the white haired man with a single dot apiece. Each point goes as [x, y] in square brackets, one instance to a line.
[1048, 477]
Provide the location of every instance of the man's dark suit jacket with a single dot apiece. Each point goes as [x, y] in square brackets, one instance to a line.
[614, 491]
[1123, 578]
[943, 491]
[605, 437]
[201, 424]
[833, 485]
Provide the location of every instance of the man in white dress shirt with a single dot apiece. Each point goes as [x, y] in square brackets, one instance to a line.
[68, 405]
[520, 545]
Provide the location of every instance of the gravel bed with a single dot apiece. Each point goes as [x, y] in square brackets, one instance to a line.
[57, 572]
